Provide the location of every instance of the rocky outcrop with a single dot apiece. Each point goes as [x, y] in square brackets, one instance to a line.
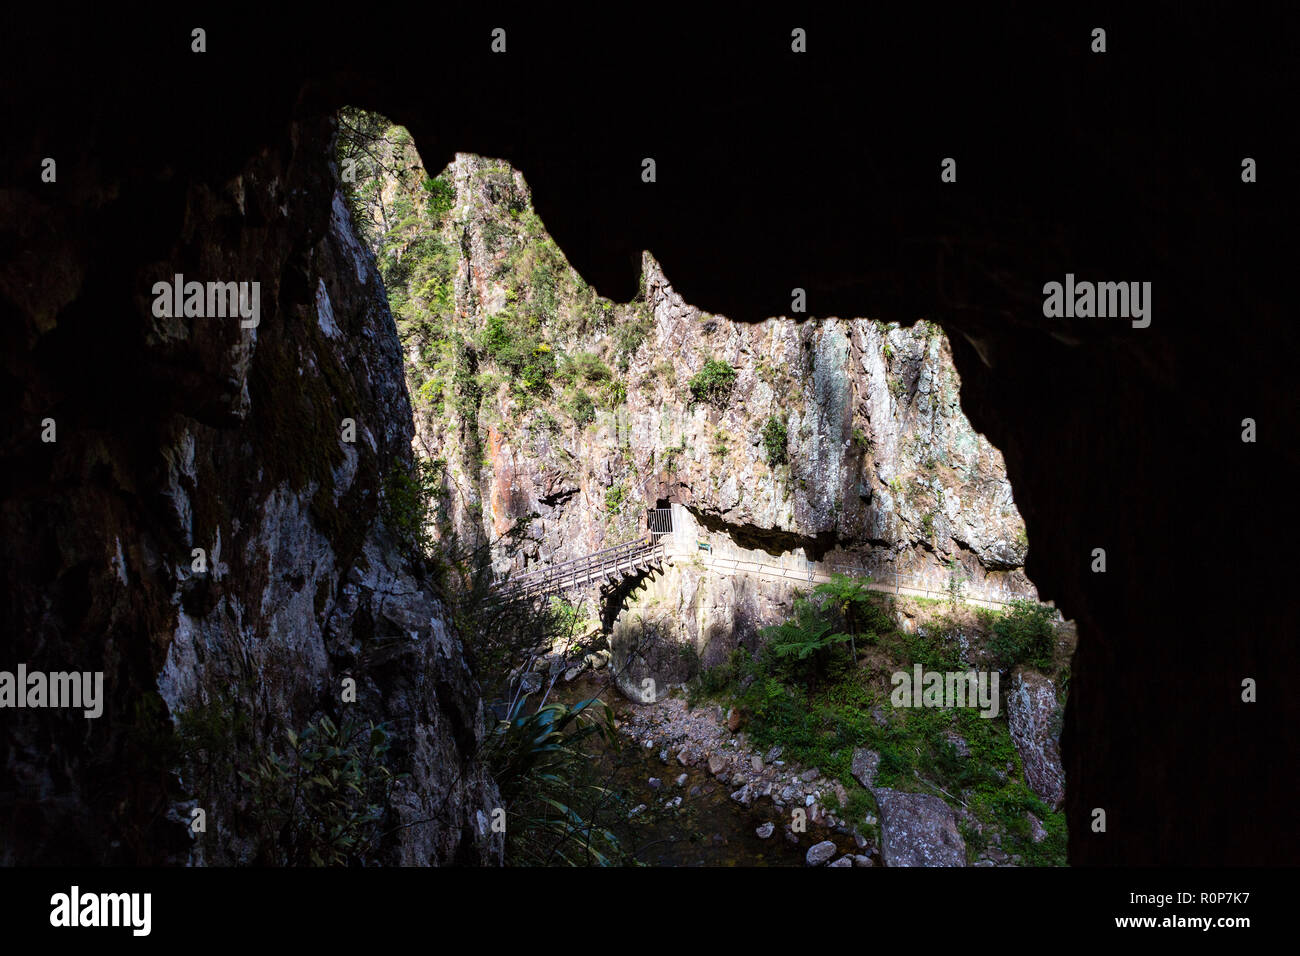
[207, 529]
[1034, 718]
[917, 829]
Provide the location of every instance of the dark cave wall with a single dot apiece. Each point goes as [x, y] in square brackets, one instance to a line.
[774, 172]
[177, 433]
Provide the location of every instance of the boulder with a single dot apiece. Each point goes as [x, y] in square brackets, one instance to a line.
[744, 796]
[819, 853]
[917, 829]
[1032, 716]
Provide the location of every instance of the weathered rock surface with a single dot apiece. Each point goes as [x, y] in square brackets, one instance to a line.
[186, 433]
[1035, 722]
[918, 829]
[820, 853]
[864, 766]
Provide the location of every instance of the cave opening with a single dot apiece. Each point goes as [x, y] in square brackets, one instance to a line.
[563, 419]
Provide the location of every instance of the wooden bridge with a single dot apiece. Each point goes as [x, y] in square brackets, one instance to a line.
[608, 566]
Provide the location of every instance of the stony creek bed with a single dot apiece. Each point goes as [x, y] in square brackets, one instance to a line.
[696, 795]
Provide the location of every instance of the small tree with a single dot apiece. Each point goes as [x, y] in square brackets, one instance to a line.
[851, 598]
[956, 582]
[806, 640]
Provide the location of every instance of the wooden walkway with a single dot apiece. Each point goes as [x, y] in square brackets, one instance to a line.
[608, 566]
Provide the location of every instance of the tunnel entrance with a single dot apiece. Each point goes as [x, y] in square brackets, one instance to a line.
[659, 521]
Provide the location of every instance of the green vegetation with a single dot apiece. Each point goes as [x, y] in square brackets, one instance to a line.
[713, 383]
[442, 197]
[516, 344]
[775, 439]
[614, 499]
[956, 582]
[410, 504]
[719, 444]
[406, 215]
[578, 405]
[628, 339]
[320, 801]
[850, 598]
[819, 711]
[543, 755]
[672, 453]
[1026, 634]
[553, 799]
[802, 647]
[316, 797]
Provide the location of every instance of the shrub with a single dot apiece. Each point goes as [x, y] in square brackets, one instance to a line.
[543, 764]
[775, 439]
[528, 359]
[614, 499]
[441, 197]
[713, 383]
[627, 339]
[712, 681]
[849, 598]
[580, 407]
[1026, 634]
[321, 802]
[592, 369]
[805, 642]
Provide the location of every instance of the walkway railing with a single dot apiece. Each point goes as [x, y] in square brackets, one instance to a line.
[609, 565]
[887, 581]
